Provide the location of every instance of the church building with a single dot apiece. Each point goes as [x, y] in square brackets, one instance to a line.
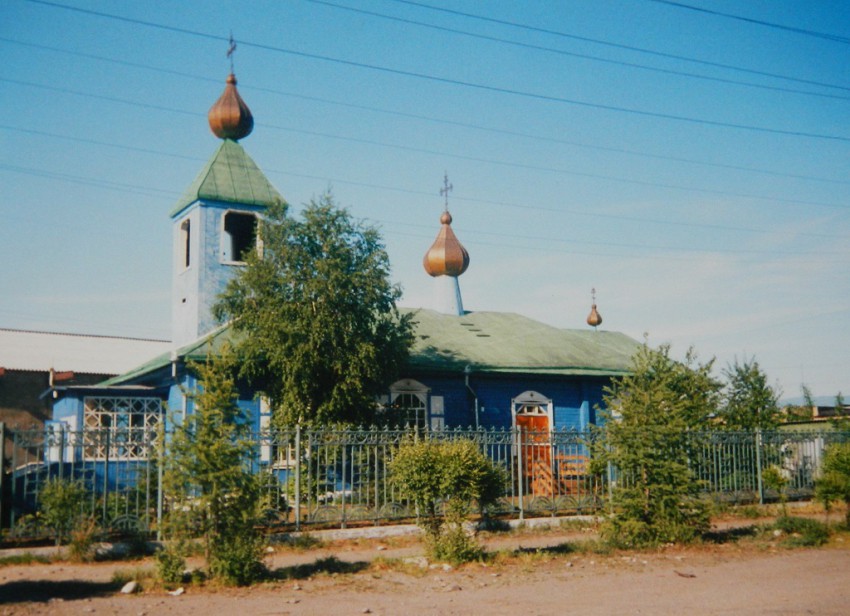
[466, 368]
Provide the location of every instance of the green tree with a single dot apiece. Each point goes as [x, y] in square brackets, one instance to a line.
[804, 411]
[834, 482]
[652, 416]
[443, 479]
[212, 493]
[841, 419]
[750, 403]
[318, 330]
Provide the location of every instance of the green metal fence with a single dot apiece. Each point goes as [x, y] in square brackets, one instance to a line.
[339, 478]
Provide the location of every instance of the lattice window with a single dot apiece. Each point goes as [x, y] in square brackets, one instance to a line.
[120, 428]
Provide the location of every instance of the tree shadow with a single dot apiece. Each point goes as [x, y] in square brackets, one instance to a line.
[730, 535]
[560, 548]
[330, 564]
[43, 591]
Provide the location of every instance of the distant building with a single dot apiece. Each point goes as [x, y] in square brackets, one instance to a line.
[31, 363]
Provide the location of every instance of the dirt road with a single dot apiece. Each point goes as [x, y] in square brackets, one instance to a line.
[723, 579]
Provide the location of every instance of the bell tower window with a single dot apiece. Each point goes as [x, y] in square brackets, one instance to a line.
[186, 242]
[239, 237]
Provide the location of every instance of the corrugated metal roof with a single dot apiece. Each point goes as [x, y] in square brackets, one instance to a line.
[508, 342]
[230, 176]
[489, 342]
[41, 351]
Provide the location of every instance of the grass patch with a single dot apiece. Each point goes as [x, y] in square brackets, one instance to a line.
[802, 532]
[135, 574]
[300, 542]
[27, 558]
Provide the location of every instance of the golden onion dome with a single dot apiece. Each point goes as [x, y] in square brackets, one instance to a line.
[230, 117]
[594, 319]
[446, 257]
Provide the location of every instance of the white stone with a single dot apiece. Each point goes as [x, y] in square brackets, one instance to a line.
[130, 587]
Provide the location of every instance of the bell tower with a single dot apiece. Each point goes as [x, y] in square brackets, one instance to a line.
[215, 224]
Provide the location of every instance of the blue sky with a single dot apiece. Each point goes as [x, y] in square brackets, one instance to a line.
[691, 167]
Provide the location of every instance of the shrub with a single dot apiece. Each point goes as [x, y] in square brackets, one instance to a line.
[62, 503]
[170, 564]
[773, 478]
[834, 483]
[82, 539]
[444, 479]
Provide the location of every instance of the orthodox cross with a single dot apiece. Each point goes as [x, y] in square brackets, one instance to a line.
[230, 51]
[593, 296]
[444, 191]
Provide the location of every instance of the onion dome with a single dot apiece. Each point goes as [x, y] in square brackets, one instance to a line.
[230, 117]
[446, 257]
[594, 319]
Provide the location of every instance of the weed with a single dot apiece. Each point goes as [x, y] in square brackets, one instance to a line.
[82, 539]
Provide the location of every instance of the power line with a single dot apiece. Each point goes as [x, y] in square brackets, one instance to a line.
[577, 55]
[821, 35]
[147, 190]
[454, 155]
[553, 169]
[469, 84]
[586, 39]
[479, 127]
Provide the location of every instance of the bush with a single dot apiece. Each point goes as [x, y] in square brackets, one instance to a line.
[444, 479]
[237, 559]
[170, 564]
[834, 483]
[62, 503]
[82, 538]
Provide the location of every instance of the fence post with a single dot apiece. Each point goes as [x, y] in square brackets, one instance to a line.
[344, 471]
[106, 475]
[298, 476]
[759, 482]
[519, 456]
[160, 448]
[2, 467]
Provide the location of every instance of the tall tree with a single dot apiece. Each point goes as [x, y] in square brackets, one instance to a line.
[213, 494]
[648, 437]
[750, 402]
[318, 329]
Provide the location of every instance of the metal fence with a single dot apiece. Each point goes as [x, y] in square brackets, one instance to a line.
[335, 477]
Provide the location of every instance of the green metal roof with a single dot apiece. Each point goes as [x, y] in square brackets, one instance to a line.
[194, 351]
[488, 342]
[502, 342]
[230, 176]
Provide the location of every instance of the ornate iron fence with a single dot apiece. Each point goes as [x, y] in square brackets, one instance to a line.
[339, 477]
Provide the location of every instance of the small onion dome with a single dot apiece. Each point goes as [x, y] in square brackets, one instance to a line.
[230, 117]
[446, 257]
[594, 319]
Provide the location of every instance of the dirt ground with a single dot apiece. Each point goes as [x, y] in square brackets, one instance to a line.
[542, 576]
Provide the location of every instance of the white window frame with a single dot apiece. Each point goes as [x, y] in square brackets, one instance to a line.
[119, 428]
